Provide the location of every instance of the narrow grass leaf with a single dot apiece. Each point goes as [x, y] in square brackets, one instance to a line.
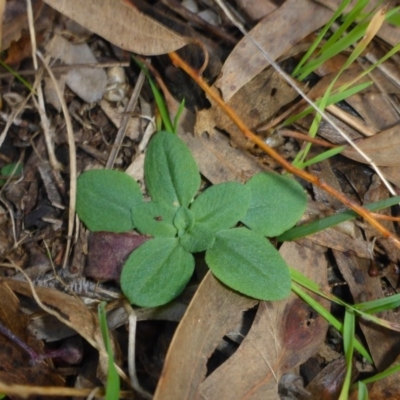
[161, 105]
[154, 219]
[327, 315]
[105, 199]
[379, 305]
[171, 173]
[362, 391]
[277, 202]
[248, 263]
[328, 222]
[323, 156]
[348, 345]
[321, 35]
[156, 272]
[221, 206]
[113, 383]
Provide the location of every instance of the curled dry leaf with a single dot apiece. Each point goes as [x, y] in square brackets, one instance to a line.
[122, 24]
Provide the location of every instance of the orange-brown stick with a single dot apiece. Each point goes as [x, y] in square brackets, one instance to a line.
[230, 112]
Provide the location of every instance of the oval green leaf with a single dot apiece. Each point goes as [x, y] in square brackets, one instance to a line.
[105, 198]
[221, 206]
[154, 219]
[171, 172]
[156, 272]
[247, 262]
[276, 203]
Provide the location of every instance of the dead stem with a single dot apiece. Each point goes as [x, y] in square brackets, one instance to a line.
[214, 95]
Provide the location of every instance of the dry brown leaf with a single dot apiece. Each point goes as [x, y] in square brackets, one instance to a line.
[213, 311]
[218, 161]
[276, 33]
[256, 102]
[71, 311]
[122, 24]
[16, 365]
[383, 148]
[284, 335]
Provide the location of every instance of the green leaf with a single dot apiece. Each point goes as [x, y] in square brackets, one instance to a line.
[14, 169]
[105, 199]
[248, 263]
[199, 238]
[113, 383]
[154, 219]
[183, 220]
[156, 272]
[171, 173]
[276, 203]
[221, 206]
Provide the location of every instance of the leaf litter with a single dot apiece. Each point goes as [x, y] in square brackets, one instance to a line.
[283, 341]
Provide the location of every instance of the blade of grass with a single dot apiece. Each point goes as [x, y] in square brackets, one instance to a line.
[316, 226]
[362, 391]
[113, 383]
[348, 345]
[162, 107]
[329, 317]
[323, 156]
[321, 35]
[379, 305]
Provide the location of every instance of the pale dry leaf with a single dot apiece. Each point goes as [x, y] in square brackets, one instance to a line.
[72, 311]
[88, 83]
[383, 148]
[276, 33]
[256, 9]
[122, 24]
[213, 311]
[284, 334]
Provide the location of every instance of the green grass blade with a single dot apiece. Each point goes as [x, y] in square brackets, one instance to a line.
[113, 383]
[316, 226]
[375, 306]
[362, 391]
[348, 345]
[326, 315]
[335, 16]
[162, 107]
[17, 75]
[338, 95]
[391, 370]
[323, 156]
[178, 114]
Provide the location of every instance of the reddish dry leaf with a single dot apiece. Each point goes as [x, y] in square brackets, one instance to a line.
[328, 383]
[122, 24]
[276, 33]
[107, 253]
[383, 148]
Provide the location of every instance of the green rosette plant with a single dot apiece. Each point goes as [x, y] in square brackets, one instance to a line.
[229, 221]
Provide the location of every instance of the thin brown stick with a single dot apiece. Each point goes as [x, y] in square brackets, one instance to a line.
[214, 95]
